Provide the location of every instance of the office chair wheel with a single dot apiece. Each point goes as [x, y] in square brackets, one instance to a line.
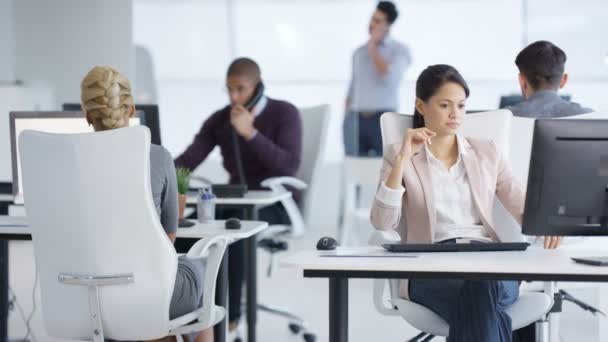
[308, 337]
[295, 328]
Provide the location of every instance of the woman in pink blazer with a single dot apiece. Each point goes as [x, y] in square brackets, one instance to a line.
[443, 186]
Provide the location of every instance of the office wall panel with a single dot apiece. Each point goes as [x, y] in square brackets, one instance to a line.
[188, 39]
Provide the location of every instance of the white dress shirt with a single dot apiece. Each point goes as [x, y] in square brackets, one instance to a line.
[457, 216]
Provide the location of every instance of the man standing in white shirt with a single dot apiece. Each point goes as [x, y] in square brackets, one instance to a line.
[377, 69]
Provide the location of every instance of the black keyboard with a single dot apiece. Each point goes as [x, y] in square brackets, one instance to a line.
[455, 247]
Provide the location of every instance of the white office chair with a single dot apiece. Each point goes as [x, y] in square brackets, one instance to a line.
[315, 122]
[106, 267]
[359, 173]
[529, 307]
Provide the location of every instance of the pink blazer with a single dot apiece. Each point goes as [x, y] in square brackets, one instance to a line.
[489, 176]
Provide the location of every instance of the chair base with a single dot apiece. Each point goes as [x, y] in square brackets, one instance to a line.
[422, 337]
[297, 325]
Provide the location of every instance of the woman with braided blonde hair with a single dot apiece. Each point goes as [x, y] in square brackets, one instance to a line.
[108, 104]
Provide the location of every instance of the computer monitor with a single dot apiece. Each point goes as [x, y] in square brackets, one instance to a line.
[149, 118]
[568, 180]
[512, 100]
[51, 122]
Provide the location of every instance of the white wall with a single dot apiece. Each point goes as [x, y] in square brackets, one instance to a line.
[59, 41]
[304, 49]
[7, 42]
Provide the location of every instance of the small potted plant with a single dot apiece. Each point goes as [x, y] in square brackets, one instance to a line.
[183, 180]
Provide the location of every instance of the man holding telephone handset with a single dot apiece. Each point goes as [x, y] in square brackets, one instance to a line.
[268, 136]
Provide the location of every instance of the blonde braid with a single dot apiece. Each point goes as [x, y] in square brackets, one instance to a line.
[106, 97]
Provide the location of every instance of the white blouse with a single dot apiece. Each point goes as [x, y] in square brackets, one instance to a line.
[457, 216]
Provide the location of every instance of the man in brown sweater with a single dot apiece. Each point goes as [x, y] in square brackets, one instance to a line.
[270, 141]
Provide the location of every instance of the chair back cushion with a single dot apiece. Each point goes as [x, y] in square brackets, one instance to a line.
[315, 123]
[89, 203]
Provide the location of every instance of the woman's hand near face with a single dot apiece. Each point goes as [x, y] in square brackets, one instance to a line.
[413, 140]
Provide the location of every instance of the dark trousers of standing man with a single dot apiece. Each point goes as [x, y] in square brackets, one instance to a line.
[274, 214]
[362, 135]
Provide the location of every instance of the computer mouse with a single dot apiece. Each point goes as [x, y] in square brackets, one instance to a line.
[185, 223]
[232, 223]
[327, 243]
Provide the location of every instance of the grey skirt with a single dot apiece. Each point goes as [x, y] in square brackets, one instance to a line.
[188, 291]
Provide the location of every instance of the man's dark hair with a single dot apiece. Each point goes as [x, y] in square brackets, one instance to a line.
[389, 9]
[542, 63]
[244, 66]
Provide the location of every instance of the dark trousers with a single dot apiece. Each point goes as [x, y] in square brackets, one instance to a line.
[362, 135]
[474, 309]
[274, 214]
[525, 334]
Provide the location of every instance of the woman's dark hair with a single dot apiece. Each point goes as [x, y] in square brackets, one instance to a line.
[429, 82]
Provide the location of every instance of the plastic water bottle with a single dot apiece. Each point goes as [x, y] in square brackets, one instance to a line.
[205, 206]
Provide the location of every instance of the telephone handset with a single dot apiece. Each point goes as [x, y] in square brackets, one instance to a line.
[255, 98]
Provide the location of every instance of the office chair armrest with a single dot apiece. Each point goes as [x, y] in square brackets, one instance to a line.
[383, 306]
[380, 237]
[274, 231]
[277, 183]
[212, 249]
[202, 247]
[93, 280]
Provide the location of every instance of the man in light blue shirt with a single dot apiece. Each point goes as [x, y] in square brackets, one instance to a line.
[377, 69]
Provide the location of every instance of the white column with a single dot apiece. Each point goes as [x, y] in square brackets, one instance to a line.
[59, 41]
[7, 42]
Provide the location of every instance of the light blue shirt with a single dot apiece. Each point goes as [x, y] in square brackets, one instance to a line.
[545, 104]
[368, 89]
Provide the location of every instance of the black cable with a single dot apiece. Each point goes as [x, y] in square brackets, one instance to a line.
[237, 157]
[568, 297]
[22, 314]
[29, 318]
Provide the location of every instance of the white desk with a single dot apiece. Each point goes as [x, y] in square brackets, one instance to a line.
[200, 230]
[251, 198]
[534, 264]
[18, 225]
[16, 228]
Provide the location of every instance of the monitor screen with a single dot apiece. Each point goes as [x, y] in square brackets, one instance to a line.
[568, 178]
[50, 122]
[150, 118]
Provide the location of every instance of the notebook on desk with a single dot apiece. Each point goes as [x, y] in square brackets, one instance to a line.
[456, 247]
[362, 252]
